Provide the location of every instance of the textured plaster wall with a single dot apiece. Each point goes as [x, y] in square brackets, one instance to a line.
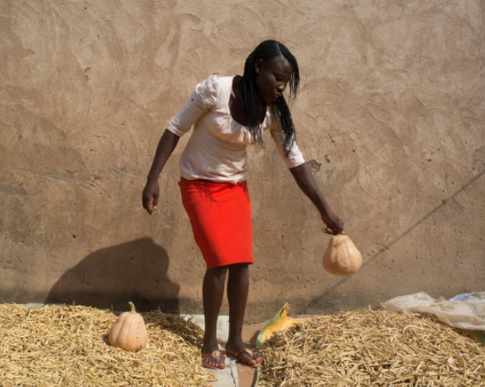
[390, 117]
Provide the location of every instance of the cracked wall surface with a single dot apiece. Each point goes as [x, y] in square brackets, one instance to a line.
[390, 117]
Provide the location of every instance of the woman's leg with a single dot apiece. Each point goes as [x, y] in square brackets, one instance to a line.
[237, 295]
[213, 291]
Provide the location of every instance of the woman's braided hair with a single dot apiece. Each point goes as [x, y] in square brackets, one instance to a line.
[266, 51]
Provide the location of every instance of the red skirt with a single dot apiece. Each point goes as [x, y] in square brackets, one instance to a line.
[220, 214]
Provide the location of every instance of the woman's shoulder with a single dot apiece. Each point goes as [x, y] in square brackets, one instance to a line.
[221, 82]
[216, 79]
[216, 84]
[219, 87]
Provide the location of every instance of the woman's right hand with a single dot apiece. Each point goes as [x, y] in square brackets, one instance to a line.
[150, 196]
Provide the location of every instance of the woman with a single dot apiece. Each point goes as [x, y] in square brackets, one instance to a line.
[229, 113]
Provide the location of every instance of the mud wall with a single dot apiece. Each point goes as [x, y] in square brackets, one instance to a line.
[390, 117]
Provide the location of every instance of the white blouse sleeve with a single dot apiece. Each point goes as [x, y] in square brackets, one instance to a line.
[295, 157]
[199, 103]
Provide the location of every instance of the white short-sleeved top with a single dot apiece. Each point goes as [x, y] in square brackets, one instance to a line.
[217, 147]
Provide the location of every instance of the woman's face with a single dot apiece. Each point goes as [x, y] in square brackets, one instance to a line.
[272, 78]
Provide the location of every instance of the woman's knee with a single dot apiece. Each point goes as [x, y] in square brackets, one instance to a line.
[217, 272]
[238, 268]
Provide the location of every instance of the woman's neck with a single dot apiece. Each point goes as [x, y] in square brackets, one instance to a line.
[237, 93]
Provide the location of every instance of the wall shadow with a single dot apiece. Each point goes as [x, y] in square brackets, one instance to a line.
[108, 278]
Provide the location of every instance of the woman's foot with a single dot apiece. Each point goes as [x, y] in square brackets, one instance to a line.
[244, 355]
[213, 291]
[213, 358]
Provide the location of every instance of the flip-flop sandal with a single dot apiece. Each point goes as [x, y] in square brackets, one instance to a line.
[251, 355]
[215, 355]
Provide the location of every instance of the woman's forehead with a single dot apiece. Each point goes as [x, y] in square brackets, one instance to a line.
[280, 64]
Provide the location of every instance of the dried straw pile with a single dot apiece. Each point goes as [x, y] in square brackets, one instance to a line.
[372, 348]
[67, 346]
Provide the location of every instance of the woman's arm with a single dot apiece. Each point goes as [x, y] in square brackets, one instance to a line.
[166, 145]
[308, 185]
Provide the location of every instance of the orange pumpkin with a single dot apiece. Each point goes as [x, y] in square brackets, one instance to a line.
[129, 331]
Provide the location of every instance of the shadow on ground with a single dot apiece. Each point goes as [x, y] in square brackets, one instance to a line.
[108, 278]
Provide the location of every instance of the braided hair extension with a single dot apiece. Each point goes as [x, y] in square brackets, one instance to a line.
[266, 51]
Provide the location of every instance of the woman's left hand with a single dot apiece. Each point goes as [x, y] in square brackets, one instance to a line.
[335, 225]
